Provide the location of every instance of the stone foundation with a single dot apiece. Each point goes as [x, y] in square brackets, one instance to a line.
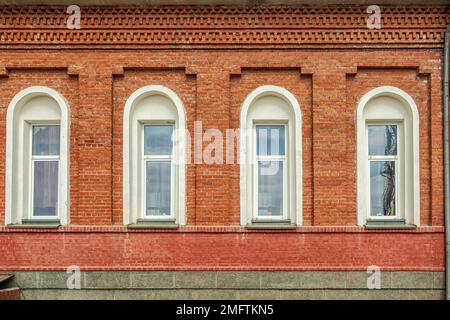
[270, 285]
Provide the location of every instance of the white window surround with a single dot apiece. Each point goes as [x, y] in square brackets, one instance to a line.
[34, 105]
[166, 107]
[387, 105]
[293, 119]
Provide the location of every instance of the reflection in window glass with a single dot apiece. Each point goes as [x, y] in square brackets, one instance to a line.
[270, 188]
[158, 191]
[45, 140]
[270, 140]
[158, 139]
[45, 197]
[382, 140]
[382, 188]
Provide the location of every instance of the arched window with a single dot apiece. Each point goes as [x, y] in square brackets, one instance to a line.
[271, 159]
[37, 162]
[388, 159]
[154, 158]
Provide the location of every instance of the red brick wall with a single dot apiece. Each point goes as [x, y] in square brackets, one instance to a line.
[10, 294]
[207, 248]
[212, 80]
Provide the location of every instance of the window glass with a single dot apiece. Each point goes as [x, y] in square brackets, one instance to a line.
[45, 186]
[382, 188]
[158, 139]
[270, 140]
[158, 188]
[46, 140]
[382, 140]
[270, 188]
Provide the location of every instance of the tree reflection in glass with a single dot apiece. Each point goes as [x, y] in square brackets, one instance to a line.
[383, 161]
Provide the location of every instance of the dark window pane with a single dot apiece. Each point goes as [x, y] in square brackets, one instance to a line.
[158, 139]
[270, 188]
[382, 188]
[382, 140]
[158, 188]
[45, 197]
[270, 140]
[46, 140]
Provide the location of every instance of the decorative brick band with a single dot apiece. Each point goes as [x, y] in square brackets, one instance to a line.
[224, 17]
[281, 268]
[219, 229]
[227, 27]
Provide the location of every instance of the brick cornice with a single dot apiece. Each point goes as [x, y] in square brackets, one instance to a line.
[222, 27]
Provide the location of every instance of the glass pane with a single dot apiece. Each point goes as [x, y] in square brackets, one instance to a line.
[382, 188]
[383, 140]
[270, 140]
[158, 139]
[270, 188]
[45, 140]
[158, 188]
[45, 197]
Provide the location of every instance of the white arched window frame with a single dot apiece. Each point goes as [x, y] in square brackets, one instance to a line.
[292, 120]
[34, 106]
[140, 111]
[389, 105]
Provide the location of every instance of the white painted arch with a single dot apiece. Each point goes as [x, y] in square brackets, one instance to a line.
[289, 98]
[129, 198]
[411, 137]
[14, 156]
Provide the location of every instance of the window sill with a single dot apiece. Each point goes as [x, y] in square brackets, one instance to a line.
[36, 224]
[388, 224]
[276, 225]
[149, 224]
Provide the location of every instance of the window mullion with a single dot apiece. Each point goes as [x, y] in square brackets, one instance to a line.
[158, 157]
[45, 158]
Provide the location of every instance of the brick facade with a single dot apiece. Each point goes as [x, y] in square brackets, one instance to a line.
[213, 57]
